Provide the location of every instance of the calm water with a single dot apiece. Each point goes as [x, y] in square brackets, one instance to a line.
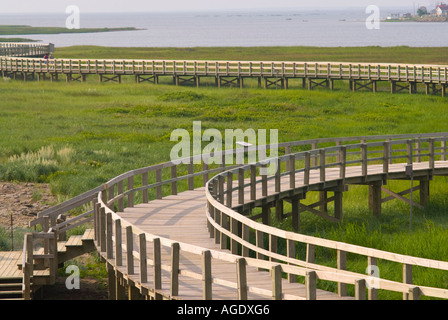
[249, 28]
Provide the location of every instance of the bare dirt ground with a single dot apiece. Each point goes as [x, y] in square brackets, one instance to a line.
[23, 201]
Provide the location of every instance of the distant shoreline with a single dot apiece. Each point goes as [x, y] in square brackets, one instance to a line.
[418, 19]
[12, 30]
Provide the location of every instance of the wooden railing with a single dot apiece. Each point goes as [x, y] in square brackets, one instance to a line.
[46, 256]
[143, 185]
[227, 223]
[23, 49]
[269, 69]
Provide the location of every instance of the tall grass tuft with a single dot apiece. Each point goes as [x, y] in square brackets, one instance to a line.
[35, 166]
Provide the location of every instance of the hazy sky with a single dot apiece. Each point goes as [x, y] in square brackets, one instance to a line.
[30, 6]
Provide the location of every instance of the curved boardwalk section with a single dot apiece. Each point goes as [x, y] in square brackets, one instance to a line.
[208, 242]
[183, 231]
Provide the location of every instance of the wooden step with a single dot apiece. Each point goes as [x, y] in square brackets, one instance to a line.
[10, 286]
[62, 246]
[9, 280]
[74, 241]
[89, 235]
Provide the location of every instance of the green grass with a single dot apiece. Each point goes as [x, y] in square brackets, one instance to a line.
[76, 136]
[17, 40]
[401, 54]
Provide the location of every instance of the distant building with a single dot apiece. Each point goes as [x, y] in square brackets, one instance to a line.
[442, 10]
[393, 16]
[407, 16]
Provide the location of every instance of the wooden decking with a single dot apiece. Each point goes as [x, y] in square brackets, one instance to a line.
[9, 262]
[182, 218]
[15, 63]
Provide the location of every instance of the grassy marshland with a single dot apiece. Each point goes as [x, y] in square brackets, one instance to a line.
[77, 136]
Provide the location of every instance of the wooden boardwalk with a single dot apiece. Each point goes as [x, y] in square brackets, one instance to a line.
[181, 218]
[9, 262]
[270, 74]
[208, 242]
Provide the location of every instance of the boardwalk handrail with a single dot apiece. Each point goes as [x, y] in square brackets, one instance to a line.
[282, 69]
[223, 217]
[48, 242]
[85, 200]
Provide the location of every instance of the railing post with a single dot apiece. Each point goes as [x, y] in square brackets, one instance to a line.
[157, 260]
[360, 289]
[342, 160]
[174, 184]
[342, 265]
[322, 164]
[431, 153]
[120, 190]
[372, 290]
[190, 172]
[175, 255]
[96, 221]
[364, 159]
[103, 229]
[240, 186]
[221, 181]
[386, 156]
[277, 175]
[414, 293]
[217, 218]
[158, 180]
[145, 198]
[264, 180]
[118, 244]
[229, 189]
[28, 265]
[310, 253]
[109, 243]
[224, 224]
[143, 259]
[292, 171]
[311, 285]
[234, 231]
[407, 278]
[306, 174]
[129, 250]
[246, 237]
[253, 182]
[241, 278]
[409, 152]
[131, 194]
[205, 174]
[206, 275]
[276, 273]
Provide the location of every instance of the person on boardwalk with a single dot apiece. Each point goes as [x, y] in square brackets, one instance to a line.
[45, 58]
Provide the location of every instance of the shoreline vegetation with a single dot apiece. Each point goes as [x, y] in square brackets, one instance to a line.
[11, 30]
[372, 54]
[418, 19]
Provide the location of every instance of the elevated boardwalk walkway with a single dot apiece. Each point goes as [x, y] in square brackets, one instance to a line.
[16, 63]
[181, 218]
